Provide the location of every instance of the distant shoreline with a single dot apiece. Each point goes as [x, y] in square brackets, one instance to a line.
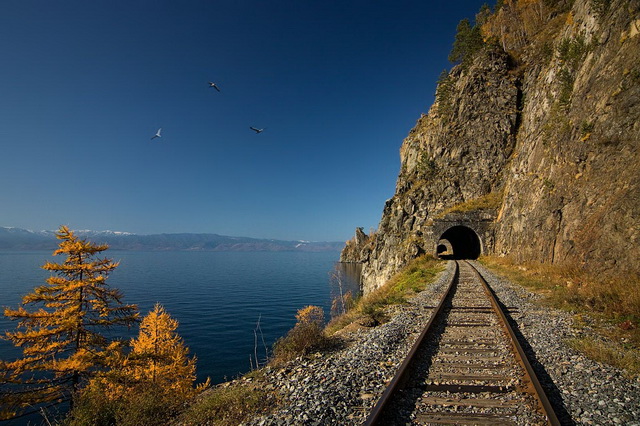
[16, 239]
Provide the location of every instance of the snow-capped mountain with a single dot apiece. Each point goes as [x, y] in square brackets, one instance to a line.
[24, 239]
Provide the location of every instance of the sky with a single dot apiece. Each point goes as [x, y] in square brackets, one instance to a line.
[337, 85]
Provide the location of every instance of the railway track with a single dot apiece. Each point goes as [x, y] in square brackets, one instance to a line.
[466, 367]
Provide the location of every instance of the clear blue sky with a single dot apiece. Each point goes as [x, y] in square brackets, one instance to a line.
[337, 85]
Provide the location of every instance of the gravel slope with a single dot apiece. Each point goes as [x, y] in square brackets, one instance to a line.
[341, 388]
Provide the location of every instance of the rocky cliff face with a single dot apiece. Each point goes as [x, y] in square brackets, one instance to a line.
[538, 134]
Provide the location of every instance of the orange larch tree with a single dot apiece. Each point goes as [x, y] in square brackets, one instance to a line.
[63, 340]
[148, 385]
[159, 355]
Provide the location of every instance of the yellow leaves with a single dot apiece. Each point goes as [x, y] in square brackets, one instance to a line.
[157, 368]
[63, 340]
[160, 354]
[21, 313]
[157, 332]
[569, 21]
[311, 315]
[80, 361]
[306, 335]
[73, 246]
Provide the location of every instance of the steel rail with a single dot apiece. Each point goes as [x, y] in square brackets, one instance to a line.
[400, 375]
[538, 392]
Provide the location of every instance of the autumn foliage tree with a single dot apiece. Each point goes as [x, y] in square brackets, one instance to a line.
[63, 341]
[145, 386]
[159, 355]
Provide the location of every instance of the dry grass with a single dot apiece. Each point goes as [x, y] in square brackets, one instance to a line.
[370, 309]
[306, 336]
[614, 304]
[608, 352]
[231, 403]
[493, 201]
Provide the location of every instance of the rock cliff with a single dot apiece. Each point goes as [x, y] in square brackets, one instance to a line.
[532, 144]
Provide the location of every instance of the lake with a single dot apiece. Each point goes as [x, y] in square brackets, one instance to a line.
[217, 297]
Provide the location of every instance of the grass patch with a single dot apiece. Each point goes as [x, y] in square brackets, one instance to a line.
[231, 404]
[612, 353]
[613, 303]
[492, 200]
[370, 309]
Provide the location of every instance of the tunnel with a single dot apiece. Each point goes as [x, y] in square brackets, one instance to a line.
[463, 243]
[444, 248]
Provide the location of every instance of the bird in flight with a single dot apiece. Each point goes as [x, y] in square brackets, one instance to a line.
[157, 135]
[215, 86]
[256, 130]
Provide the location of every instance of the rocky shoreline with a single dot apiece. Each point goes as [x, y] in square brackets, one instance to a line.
[342, 387]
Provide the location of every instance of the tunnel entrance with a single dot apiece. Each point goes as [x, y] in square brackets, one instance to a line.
[459, 242]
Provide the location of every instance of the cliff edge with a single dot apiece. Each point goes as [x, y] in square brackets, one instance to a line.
[530, 150]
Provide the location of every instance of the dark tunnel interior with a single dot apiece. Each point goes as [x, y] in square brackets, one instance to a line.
[464, 242]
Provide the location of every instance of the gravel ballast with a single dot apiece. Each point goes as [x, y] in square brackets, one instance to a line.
[341, 387]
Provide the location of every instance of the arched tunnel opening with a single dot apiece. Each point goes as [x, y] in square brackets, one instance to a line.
[459, 242]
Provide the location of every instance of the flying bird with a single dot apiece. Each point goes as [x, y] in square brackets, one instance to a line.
[256, 130]
[215, 86]
[157, 135]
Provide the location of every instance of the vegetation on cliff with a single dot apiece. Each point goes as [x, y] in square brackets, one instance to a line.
[490, 201]
[543, 110]
[537, 122]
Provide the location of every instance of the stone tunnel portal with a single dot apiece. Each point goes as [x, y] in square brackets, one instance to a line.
[463, 241]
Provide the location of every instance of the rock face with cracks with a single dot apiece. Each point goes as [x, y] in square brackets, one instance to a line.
[544, 122]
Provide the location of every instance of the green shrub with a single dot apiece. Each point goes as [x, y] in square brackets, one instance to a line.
[467, 43]
[573, 50]
[546, 52]
[566, 87]
[374, 315]
[444, 94]
[586, 127]
[427, 168]
[548, 184]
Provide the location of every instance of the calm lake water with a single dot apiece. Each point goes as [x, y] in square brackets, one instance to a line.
[217, 297]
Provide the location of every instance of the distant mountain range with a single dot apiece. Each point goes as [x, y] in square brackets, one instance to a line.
[23, 239]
